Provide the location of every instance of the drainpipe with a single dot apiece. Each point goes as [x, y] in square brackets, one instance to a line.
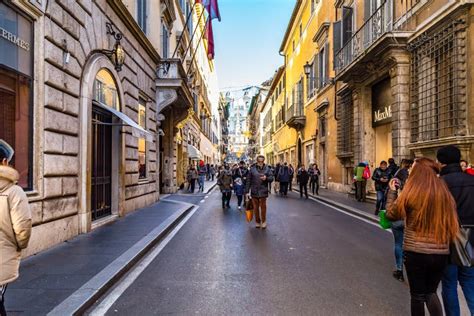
[284, 76]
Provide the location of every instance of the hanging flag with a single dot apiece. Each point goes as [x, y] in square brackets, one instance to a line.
[210, 39]
[212, 8]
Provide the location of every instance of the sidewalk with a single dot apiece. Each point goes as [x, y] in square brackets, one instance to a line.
[101, 256]
[344, 201]
[208, 186]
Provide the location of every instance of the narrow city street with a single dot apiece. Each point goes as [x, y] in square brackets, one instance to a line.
[311, 260]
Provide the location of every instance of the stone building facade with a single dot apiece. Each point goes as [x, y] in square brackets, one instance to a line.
[91, 129]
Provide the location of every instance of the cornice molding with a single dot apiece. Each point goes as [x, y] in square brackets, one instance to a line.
[131, 25]
[323, 29]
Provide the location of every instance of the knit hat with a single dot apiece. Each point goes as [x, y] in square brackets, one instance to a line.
[6, 150]
[448, 155]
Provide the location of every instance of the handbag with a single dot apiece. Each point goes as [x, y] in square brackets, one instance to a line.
[461, 253]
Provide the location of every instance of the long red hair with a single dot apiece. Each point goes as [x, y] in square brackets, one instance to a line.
[428, 195]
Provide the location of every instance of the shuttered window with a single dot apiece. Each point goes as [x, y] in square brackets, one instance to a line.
[142, 14]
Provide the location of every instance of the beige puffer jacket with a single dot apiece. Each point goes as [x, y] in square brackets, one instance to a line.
[15, 224]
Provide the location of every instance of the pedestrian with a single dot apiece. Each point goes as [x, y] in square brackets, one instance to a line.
[303, 178]
[276, 171]
[292, 173]
[361, 174]
[224, 181]
[15, 222]
[192, 176]
[461, 186]
[240, 172]
[270, 183]
[431, 224]
[239, 190]
[284, 177]
[398, 227]
[314, 174]
[466, 168]
[381, 177]
[202, 171]
[392, 167]
[208, 174]
[257, 187]
[212, 170]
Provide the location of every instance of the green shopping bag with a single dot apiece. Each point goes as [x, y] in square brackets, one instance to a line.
[383, 220]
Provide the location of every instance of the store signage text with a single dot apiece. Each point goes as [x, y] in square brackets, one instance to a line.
[384, 114]
[9, 36]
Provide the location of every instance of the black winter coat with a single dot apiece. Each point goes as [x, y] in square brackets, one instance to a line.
[461, 186]
[377, 177]
[303, 176]
[255, 186]
[284, 174]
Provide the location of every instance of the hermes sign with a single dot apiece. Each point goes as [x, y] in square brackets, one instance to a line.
[9, 36]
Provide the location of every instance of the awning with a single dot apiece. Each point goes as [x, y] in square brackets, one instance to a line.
[137, 130]
[194, 153]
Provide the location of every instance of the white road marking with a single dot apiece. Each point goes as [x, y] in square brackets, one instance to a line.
[202, 201]
[350, 214]
[121, 287]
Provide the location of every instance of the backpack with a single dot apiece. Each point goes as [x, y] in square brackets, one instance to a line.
[366, 173]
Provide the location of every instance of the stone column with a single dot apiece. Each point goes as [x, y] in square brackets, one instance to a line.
[400, 85]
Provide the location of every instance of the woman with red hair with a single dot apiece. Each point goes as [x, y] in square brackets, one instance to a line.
[431, 224]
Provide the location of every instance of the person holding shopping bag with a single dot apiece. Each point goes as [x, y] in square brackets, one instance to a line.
[257, 187]
[431, 225]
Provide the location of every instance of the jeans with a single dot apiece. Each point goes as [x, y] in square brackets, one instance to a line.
[260, 209]
[240, 198]
[398, 231]
[192, 185]
[284, 188]
[465, 276]
[314, 185]
[360, 190]
[304, 186]
[381, 200]
[201, 182]
[424, 273]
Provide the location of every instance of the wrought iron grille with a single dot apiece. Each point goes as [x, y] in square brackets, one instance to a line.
[438, 83]
[345, 125]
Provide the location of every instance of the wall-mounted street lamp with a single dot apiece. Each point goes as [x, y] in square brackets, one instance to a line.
[307, 69]
[117, 54]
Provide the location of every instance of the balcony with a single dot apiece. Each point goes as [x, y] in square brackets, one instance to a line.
[172, 87]
[376, 36]
[295, 117]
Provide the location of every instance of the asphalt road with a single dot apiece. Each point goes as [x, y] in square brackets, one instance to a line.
[311, 260]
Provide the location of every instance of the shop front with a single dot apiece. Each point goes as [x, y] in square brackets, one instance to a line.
[16, 78]
[382, 120]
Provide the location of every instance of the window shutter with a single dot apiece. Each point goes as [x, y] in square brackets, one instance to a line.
[317, 75]
[326, 63]
[337, 40]
[346, 24]
[367, 12]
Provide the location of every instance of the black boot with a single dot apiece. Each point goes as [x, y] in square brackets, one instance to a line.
[398, 274]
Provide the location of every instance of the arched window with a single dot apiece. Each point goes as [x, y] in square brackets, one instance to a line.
[105, 89]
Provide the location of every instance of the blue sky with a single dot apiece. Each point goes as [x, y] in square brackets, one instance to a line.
[248, 39]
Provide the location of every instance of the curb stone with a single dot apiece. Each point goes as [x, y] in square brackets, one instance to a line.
[79, 301]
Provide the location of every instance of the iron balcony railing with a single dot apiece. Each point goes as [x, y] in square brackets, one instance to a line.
[378, 24]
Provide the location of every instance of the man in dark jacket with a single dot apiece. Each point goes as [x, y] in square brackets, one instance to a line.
[257, 187]
[461, 186]
[225, 181]
[277, 181]
[392, 167]
[303, 178]
[381, 177]
[284, 178]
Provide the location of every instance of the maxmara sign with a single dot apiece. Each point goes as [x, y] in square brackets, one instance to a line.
[383, 114]
[13, 38]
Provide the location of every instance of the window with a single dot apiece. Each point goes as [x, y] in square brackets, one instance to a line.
[345, 124]
[438, 81]
[165, 41]
[142, 141]
[322, 126]
[301, 30]
[15, 121]
[142, 14]
[293, 44]
[105, 90]
[323, 66]
[309, 155]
